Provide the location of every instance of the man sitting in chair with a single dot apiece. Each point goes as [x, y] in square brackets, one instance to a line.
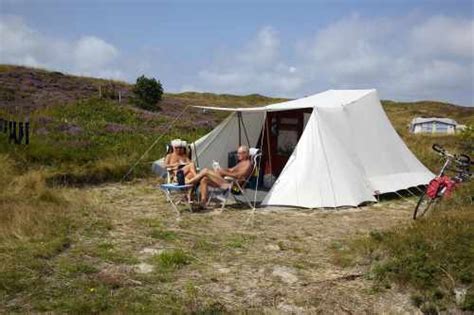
[178, 159]
[215, 178]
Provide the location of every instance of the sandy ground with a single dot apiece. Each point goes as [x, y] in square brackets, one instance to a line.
[275, 260]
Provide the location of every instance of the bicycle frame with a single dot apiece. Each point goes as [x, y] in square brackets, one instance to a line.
[449, 159]
[443, 184]
[445, 165]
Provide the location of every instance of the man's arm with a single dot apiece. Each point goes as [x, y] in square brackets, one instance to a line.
[239, 171]
[225, 171]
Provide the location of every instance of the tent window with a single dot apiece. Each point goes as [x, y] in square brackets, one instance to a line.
[289, 121]
[426, 127]
[287, 135]
[287, 141]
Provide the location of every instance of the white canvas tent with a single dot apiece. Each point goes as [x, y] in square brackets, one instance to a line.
[347, 153]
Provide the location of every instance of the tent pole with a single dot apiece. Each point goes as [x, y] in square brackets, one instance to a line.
[268, 145]
[260, 160]
[245, 131]
[239, 117]
[196, 154]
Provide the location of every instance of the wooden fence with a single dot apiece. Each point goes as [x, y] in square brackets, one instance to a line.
[18, 132]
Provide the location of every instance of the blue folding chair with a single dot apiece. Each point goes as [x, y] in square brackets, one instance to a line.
[235, 188]
[177, 194]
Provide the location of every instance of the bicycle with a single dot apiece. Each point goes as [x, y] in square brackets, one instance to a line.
[443, 185]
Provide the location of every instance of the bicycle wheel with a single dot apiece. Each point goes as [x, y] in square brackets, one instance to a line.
[423, 205]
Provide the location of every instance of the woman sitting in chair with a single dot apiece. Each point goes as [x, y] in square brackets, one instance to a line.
[178, 159]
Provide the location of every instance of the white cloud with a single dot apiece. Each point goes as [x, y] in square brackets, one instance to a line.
[256, 68]
[88, 55]
[93, 53]
[404, 58]
[261, 51]
[444, 35]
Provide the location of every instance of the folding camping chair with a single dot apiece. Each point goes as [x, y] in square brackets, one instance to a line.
[176, 194]
[237, 189]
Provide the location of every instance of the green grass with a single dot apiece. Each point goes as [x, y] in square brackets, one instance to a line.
[172, 259]
[78, 145]
[430, 257]
[54, 242]
[239, 241]
[161, 234]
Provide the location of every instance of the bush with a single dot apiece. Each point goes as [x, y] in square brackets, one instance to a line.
[467, 139]
[148, 93]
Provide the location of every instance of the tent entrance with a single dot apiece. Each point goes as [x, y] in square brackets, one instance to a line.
[283, 131]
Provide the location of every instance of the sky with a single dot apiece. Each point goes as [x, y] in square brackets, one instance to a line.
[407, 50]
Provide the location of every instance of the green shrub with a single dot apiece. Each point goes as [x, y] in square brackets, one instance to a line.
[467, 139]
[429, 257]
[148, 93]
[172, 259]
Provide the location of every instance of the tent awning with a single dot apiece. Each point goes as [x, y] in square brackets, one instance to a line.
[330, 98]
[234, 109]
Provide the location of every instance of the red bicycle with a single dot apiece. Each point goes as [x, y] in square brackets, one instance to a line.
[443, 185]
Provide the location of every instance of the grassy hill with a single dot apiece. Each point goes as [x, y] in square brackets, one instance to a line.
[54, 238]
[24, 90]
[81, 134]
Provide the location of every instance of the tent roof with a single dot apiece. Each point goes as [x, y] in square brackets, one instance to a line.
[329, 98]
[420, 120]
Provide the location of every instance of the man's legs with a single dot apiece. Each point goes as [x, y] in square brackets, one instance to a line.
[204, 189]
[208, 178]
[211, 175]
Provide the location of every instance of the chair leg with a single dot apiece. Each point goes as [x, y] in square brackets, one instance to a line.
[224, 201]
[169, 198]
[210, 195]
[188, 198]
[247, 201]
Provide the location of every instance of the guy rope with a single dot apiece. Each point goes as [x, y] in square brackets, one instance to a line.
[171, 125]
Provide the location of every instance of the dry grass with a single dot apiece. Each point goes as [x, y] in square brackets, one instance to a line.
[29, 208]
[280, 263]
[37, 224]
[141, 259]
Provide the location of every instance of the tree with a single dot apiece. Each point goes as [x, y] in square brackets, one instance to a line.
[148, 93]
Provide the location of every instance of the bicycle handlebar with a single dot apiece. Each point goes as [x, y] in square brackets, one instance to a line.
[461, 159]
[438, 148]
[465, 159]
